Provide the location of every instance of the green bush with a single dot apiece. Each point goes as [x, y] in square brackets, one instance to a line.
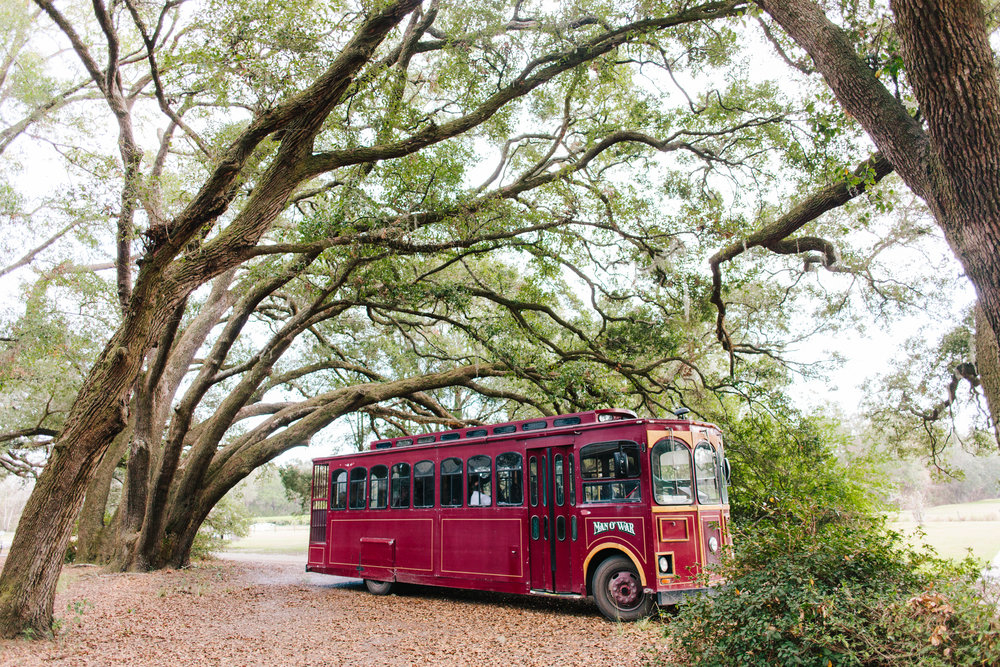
[840, 592]
[228, 519]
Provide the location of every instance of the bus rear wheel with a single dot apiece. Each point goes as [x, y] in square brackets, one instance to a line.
[378, 587]
[618, 591]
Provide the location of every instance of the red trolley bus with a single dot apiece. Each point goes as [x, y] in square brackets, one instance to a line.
[597, 503]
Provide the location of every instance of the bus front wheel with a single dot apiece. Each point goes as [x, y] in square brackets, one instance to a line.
[378, 587]
[618, 591]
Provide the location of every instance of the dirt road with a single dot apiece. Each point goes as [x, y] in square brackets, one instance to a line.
[271, 612]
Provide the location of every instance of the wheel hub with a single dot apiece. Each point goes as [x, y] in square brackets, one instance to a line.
[625, 590]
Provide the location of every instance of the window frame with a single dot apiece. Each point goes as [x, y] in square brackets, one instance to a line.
[383, 487]
[450, 496]
[481, 478]
[716, 476]
[513, 477]
[396, 475]
[357, 488]
[619, 488]
[338, 495]
[424, 480]
[559, 479]
[654, 465]
[320, 503]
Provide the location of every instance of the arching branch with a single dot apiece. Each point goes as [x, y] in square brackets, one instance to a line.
[775, 236]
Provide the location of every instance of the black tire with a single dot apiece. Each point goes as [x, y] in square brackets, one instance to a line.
[618, 591]
[378, 587]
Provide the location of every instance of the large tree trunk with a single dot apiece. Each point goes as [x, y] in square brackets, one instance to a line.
[950, 65]
[988, 366]
[28, 581]
[953, 165]
[91, 530]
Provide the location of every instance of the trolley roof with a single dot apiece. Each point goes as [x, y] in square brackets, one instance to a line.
[526, 427]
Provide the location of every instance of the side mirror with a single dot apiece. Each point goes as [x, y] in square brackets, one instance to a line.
[727, 470]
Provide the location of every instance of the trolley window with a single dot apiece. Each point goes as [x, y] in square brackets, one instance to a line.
[480, 481]
[320, 502]
[400, 485]
[533, 481]
[379, 488]
[560, 479]
[706, 466]
[509, 479]
[670, 462]
[423, 484]
[358, 478]
[319, 480]
[451, 482]
[610, 472]
[572, 482]
[338, 490]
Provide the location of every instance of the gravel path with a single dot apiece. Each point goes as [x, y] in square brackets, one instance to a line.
[260, 611]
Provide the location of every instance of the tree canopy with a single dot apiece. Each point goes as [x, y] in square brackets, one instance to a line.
[437, 214]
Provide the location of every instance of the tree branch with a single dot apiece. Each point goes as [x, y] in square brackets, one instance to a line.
[774, 236]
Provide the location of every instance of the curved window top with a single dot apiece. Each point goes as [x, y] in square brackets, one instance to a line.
[707, 472]
[480, 464]
[670, 462]
[451, 466]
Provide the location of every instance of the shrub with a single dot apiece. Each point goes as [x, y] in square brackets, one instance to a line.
[227, 519]
[844, 592]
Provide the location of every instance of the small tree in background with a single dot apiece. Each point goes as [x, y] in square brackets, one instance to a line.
[297, 480]
[228, 519]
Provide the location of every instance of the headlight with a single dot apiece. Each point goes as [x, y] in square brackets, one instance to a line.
[666, 564]
[713, 544]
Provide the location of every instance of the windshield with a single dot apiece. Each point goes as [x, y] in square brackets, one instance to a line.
[671, 466]
[708, 473]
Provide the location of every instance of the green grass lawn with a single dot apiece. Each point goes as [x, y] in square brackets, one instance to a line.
[290, 540]
[954, 529]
